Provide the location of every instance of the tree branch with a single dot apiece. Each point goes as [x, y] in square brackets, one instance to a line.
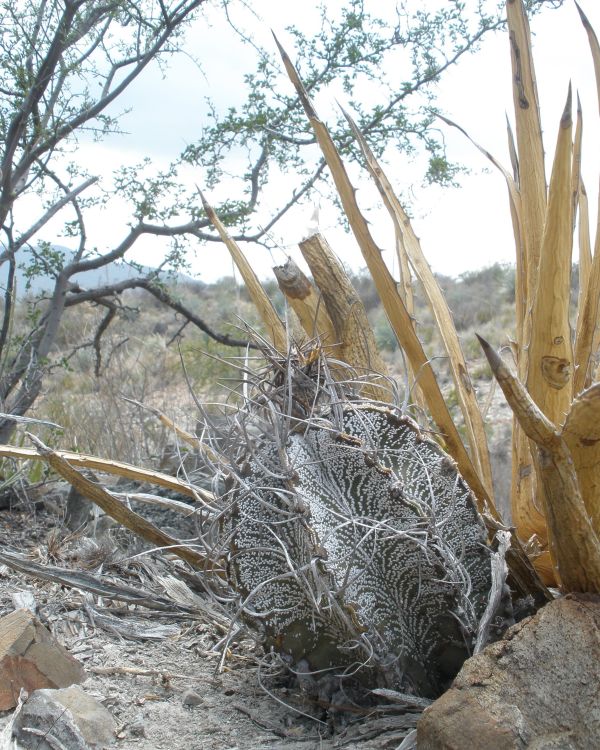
[53, 210]
[111, 313]
[77, 296]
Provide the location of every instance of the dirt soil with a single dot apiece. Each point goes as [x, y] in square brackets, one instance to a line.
[167, 693]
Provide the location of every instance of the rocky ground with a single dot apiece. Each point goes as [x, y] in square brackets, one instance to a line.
[163, 676]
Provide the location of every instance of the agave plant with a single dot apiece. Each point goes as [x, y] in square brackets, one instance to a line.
[555, 366]
[357, 546]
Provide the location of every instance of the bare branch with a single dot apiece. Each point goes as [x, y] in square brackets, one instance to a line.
[9, 302]
[178, 17]
[257, 236]
[111, 313]
[77, 296]
[42, 81]
[53, 210]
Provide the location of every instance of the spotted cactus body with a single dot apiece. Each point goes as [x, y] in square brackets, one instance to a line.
[357, 551]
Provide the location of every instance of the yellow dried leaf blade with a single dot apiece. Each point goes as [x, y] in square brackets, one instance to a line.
[405, 291]
[527, 513]
[512, 150]
[405, 284]
[118, 510]
[273, 325]
[514, 197]
[397, 314]
[585, 245]
[585, 265]
[576, 166]
[550, 371]
[574, 546]
[184, 435]
[587, 337]
[521, 273]
[581, 432]
[587, 314]
[532, 176]
[466, 395]
[117, 468]
[594, 47]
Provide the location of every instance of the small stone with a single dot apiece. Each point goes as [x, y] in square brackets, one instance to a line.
[192, 698]
[24, 600]
[137, 728]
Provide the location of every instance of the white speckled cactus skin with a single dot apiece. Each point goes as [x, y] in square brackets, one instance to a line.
[357, 551]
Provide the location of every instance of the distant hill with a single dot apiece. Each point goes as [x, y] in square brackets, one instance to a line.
[110, 274]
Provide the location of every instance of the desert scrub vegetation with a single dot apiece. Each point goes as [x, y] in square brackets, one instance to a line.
[152, 356]
[145, 359]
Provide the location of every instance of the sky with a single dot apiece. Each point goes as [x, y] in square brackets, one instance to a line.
[461, 229]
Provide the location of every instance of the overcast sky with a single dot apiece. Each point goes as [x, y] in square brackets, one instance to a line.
[460, 229]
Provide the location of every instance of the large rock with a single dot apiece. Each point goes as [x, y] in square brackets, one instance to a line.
[31, 658]
[538, 688]
[68, 718]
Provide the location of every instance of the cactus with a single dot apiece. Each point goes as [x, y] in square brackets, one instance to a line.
[354, 545]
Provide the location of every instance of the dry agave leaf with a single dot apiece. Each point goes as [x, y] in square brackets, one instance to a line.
[594, 46]
[186, 436]
[512, 150]
[582, 435]
[583, 328]
[585, 253]
[466, 395]
[587, 316]
[574, 546]
[514, 197]
[589, 311]
[532, 179]
[117, 510]
[160, 502]
[550, 371]
[527, 514]
[274, 327]
[576, 165]
[132, 630]
[117, 468]
[96, 584]
[550, 355]
[521, 273]
[404, 286]
[397, 313]
[405, 291]
[527, 517]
